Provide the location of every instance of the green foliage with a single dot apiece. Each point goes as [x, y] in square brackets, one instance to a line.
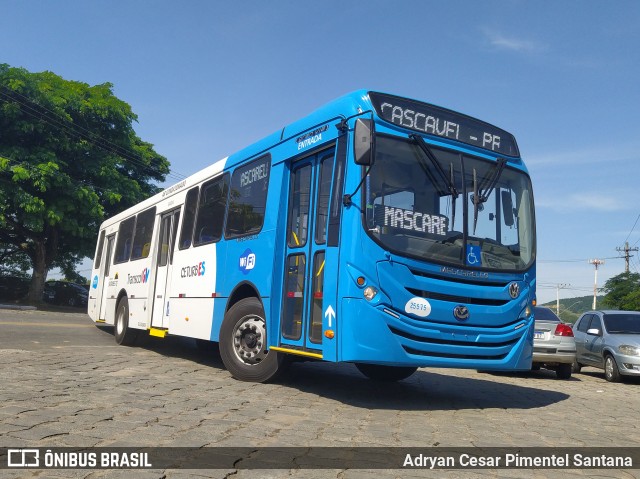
[623, 292]
[13, 261]
[69, 158]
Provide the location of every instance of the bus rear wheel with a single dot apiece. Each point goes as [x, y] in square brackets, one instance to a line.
[125, 335]
[378, 372]
[243, 343]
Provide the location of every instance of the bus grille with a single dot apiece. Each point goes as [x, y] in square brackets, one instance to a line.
[422, 340]
[473, 281]
[455, 356]
[460, 345]
[457, 299]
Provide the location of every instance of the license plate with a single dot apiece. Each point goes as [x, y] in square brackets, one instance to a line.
[538, 335]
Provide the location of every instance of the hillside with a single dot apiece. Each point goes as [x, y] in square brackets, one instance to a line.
[572, 308]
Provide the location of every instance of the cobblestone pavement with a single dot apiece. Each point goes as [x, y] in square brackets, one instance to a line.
[64, 382]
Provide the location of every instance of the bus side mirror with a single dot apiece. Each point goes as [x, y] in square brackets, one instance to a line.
[507, 208]
[363, 141]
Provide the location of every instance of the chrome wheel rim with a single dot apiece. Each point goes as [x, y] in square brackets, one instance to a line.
[608, 367]
[249, 339]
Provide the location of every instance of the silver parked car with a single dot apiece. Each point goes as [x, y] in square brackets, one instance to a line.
[609, 340]
[554, 346]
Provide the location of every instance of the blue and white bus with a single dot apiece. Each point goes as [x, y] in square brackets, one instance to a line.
[378, 230]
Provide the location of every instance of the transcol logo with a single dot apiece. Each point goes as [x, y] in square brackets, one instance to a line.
[94, 285]
[139, 278]
[247, 261]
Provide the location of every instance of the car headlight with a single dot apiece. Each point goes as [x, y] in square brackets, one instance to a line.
[629, 350]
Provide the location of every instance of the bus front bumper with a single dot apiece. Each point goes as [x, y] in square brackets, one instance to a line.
[377, 335]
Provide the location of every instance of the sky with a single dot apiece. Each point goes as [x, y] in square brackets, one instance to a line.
[207, 78]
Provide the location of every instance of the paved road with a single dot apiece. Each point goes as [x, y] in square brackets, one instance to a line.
[64, 382]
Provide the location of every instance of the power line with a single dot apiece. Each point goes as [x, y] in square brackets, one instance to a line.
[634, 227]
[56, 120]
[34, 167]
[60, 121]
[90, 136]
[571, 260]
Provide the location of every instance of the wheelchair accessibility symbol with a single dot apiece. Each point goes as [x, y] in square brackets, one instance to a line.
[473, 255]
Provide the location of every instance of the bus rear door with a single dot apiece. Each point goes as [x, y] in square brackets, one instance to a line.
[104, 274]
[166, 245]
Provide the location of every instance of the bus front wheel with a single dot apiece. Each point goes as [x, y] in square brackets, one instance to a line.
[378, 372]
[243, 343]
[125, 335]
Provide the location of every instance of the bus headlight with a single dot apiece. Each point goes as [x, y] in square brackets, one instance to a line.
[370, 293]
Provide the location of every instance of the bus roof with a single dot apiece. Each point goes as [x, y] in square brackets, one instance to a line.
[342, 108]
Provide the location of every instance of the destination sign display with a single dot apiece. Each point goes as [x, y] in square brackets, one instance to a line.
[444, 123]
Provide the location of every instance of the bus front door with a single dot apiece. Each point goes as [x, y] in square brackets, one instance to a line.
[306, 301]
[166, 244]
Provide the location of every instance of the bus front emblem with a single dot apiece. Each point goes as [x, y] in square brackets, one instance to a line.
[461, 312]
[514, 290]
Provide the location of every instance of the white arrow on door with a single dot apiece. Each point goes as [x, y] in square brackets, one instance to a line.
[329, 314]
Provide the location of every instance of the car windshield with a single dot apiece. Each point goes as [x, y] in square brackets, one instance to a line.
[447, 207]
[544, 314]
[622, 323]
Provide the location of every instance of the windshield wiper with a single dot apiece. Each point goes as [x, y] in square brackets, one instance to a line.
[481, 194]
[443, 176]
[453, 197]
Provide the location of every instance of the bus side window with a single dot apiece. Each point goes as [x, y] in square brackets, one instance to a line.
[190, 205]
[248, 198]
[143, 234]
[213, 201]
[125, 236]
[98, 258]
[299, 206]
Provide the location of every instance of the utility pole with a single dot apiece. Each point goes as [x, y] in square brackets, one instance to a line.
[627, 255]
[596, 263]
[559, 286]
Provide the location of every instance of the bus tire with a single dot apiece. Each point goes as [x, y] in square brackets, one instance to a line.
[243, 343]
[378, 372]
[124, 335]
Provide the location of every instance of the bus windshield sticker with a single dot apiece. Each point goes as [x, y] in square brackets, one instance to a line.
[418, 306]
[473, 255]
[408, 220]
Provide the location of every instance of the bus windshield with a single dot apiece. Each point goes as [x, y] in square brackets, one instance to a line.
[450, 208]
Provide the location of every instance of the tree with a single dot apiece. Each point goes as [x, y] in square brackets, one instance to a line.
[623, 292]
[13, 261]
[69, 158]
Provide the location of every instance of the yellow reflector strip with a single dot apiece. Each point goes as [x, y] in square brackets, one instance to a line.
[100, 321]
[295, 351]
[158, 333]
